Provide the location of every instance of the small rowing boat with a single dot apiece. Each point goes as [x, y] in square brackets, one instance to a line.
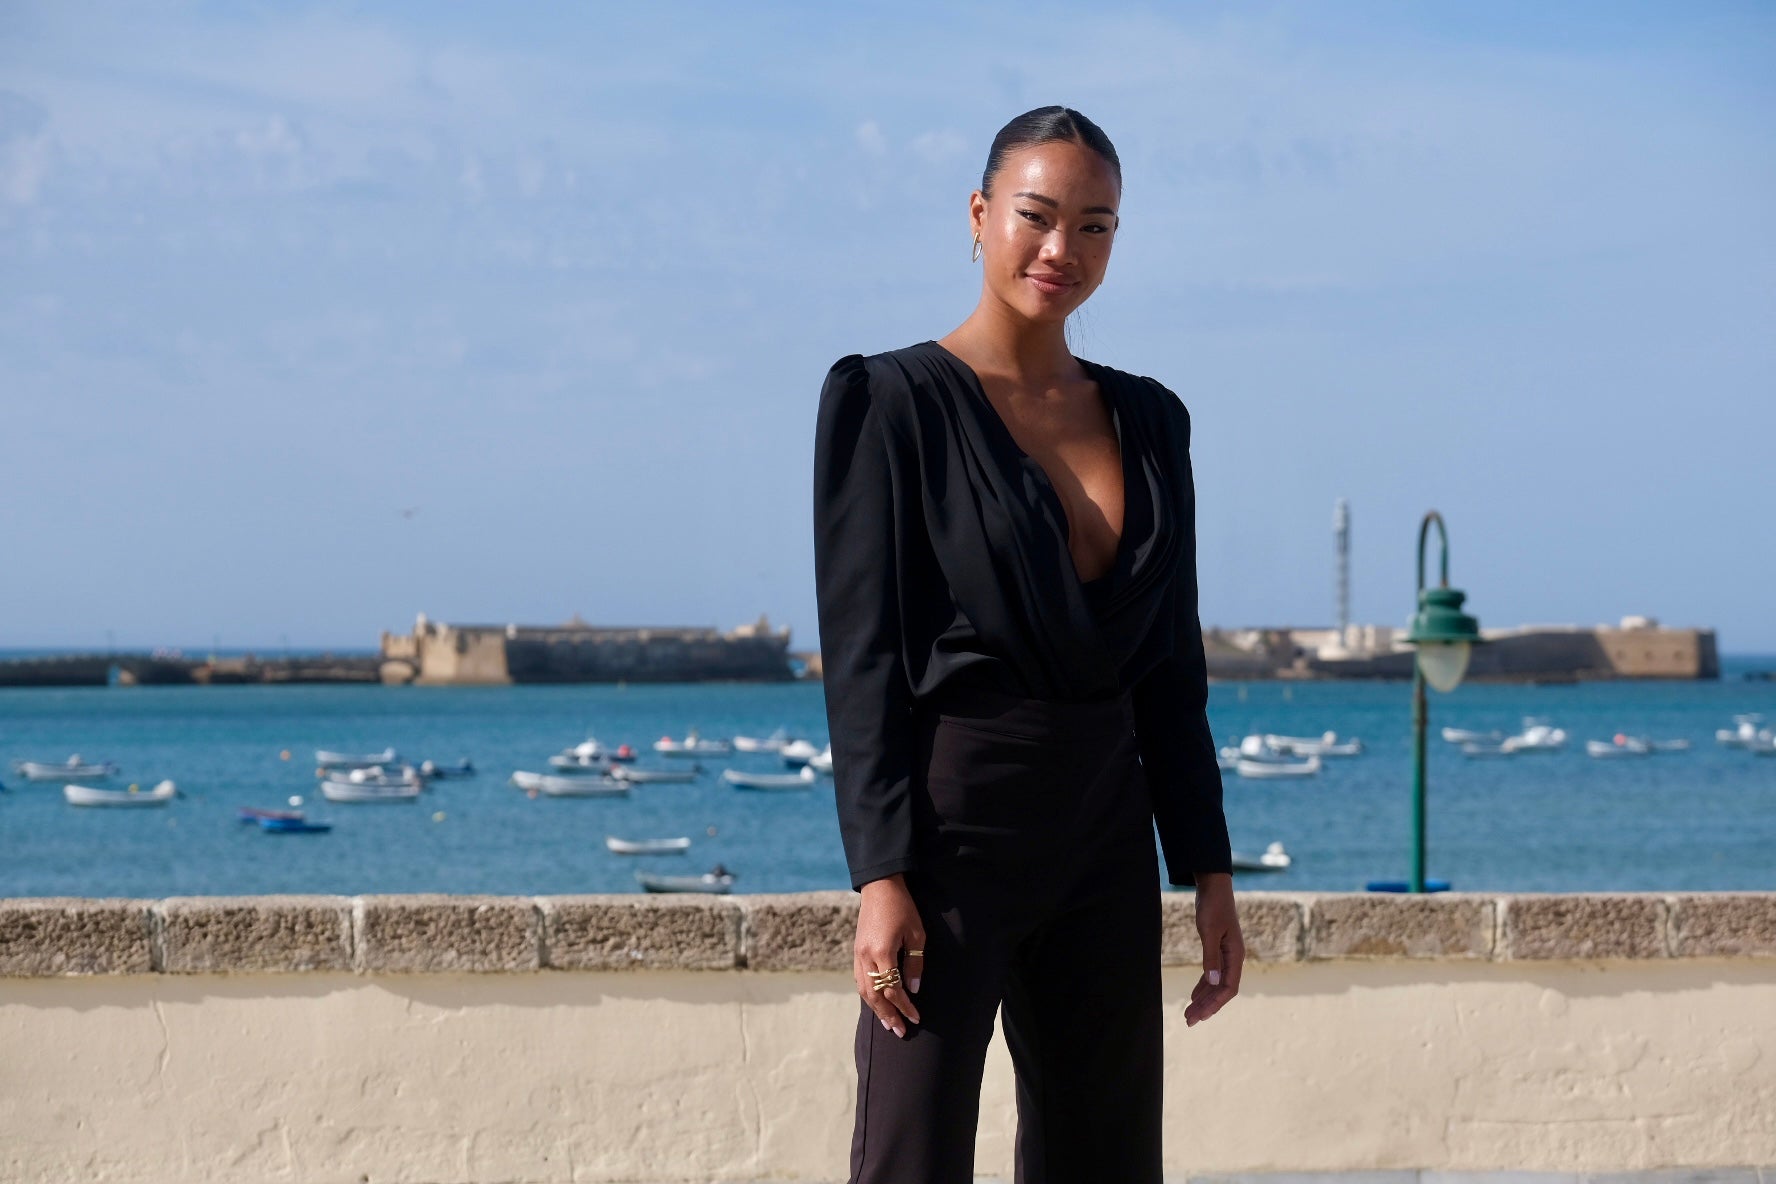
[72, 769]
[772, 743]
[350, 791]
[254, 814]
[646, 846]
[741, 780]
[692, 745]
[345, 760]
[89, 795]
[1270, 770]
[655, 776]
[1326, 745]
[293, 826]
[717, 879]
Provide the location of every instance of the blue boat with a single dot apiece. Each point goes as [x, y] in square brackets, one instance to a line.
[1405, 885]
[294, 826]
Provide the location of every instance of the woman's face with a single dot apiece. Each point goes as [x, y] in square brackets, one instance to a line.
[1046, 231]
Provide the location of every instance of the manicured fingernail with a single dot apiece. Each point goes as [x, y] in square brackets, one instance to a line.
[912, 984]
[886, 1024]
[1214, 978]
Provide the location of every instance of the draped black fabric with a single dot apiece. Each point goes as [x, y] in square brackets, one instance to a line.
[941, 563]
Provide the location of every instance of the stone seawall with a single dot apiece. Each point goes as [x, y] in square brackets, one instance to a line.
[415, 1039]
[429, 934]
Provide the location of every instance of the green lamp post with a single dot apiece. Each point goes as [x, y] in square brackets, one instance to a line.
[1445, 637]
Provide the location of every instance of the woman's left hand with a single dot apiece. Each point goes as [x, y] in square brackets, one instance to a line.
[1224, 950]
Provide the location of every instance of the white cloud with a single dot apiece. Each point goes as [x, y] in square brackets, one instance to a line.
[870, 139]
[940, 147]
[24, 162]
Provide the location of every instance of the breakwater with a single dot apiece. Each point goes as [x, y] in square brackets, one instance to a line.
[154, 669]
[602, 1039]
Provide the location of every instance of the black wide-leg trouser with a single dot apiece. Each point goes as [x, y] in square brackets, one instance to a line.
[1038, 886]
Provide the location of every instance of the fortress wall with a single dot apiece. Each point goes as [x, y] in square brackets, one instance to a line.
[1661, 653]
[622, 1038]
[463, 657]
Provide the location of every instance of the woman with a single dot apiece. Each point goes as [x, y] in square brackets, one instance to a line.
[1006, 575]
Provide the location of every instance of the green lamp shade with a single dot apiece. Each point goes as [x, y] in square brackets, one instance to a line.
[1444, 635]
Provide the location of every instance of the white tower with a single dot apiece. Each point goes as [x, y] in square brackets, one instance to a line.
[1341, 531]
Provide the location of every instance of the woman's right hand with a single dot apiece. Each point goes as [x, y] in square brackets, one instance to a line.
[888, 922]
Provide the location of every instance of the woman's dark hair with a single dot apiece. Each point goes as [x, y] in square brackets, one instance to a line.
[1047, 125]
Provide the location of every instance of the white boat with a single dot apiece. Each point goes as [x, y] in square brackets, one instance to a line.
[1469, 736]
[646, 846]
[655, 776]
[433, 771]
[1477, 750]
[550, 785]
[772, 743]
[1246, 767]
[1536, 738]
[72, 769]
[821, 762]
[798, 753]
[1255, 748]
[374, 775]
[741, 780]
[347, 791]
[587, 754]
[567, 762]
[90, 795]
[692, 745]
[1326, 745]
[1273, 859]
[1619, 747]
[1744, 733]
[347, 760]
[718, 879]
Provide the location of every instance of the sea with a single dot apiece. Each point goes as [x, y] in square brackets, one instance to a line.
[1703, 819]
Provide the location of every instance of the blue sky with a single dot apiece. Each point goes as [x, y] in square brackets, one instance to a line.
[318, 316]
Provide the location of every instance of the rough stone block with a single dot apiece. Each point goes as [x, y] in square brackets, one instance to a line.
[1724, 924]
[1270, 923]
[1588, 925]
[627, 932]
[1400, 925]
[425, 933]
[237, 934]
[800, 930]
[44, 937]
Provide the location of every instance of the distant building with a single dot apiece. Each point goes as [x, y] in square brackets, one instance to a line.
[1638, 647]
[437, 654]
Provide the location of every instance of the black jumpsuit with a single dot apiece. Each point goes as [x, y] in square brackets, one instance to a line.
[1008, 735]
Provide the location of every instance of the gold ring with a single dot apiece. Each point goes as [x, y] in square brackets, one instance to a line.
[883, 979]
[914, 953]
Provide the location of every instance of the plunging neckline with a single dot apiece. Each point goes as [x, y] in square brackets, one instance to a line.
[1107, 391]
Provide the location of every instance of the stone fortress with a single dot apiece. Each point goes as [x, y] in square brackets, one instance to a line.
[437, 654]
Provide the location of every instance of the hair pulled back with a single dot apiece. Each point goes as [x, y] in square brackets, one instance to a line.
[1047, 125]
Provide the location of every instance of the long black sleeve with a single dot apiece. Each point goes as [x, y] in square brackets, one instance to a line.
[868, 697]
[1171, 716]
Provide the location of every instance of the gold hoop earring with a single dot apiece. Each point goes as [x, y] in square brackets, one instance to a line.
[975, 256]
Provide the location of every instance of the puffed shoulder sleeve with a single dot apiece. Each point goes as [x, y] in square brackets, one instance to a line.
[1171, 703]
[868, 698]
